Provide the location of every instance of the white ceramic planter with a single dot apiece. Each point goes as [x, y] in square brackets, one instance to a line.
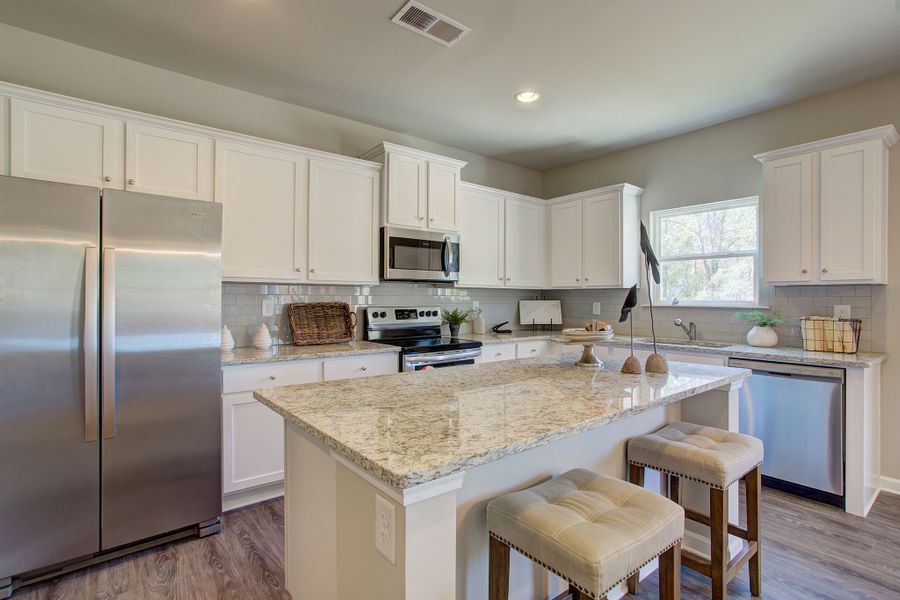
[262, 339]
[227, 339]
[762, 337]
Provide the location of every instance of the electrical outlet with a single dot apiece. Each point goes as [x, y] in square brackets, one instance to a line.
[597, 309]
[842, 311]
[385, 530]
[268, 307]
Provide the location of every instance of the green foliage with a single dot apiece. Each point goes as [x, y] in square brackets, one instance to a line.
[455, 317]
[761, 319]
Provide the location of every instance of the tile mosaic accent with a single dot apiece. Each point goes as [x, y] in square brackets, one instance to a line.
[867, 302]
[242, 308]
[242, 303]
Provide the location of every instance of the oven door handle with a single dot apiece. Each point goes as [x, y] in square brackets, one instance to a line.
[431, 359]
[445, 256]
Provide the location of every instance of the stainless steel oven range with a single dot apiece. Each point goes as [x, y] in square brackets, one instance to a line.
[417, 330]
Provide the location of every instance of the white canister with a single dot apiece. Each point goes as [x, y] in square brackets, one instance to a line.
[262, 339]
[478, 324]
[227, 339]
[762, 337]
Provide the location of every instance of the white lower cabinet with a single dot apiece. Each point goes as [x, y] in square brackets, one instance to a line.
[531, 349]
[353, 367]
[4, 138]
[686, 357]
[253, 434]
[497, 352]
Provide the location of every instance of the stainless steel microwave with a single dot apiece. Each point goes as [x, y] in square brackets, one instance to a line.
[416, 255]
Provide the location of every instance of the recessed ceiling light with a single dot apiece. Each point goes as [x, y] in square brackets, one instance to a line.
[526, 96]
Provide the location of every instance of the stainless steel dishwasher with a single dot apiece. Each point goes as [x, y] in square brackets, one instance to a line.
[798, 413]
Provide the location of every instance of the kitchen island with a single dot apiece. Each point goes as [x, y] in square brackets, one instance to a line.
[387, 478]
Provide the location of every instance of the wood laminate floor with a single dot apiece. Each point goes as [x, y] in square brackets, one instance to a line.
[810, 551]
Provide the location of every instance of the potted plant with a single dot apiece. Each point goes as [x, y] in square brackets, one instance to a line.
[762, 335]
[454, 319]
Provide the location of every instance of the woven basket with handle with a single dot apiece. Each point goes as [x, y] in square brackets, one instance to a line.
[321, 323]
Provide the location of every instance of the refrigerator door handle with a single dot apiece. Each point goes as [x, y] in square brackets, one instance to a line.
[89, 336]
[108, 345]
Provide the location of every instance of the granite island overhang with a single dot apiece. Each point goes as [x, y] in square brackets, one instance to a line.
[438, 445]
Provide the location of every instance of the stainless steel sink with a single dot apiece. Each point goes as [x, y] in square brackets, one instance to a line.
[673, 342]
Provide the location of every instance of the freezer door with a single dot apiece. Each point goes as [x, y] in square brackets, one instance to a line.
[49, 454]
[161, 369]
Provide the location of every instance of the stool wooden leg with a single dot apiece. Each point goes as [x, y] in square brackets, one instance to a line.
[575, 594]
[752, 481]
[635, 476]
[498, 570]
[675, 489]
[718, 541]
[670, 573]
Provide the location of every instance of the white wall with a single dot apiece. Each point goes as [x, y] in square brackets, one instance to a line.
[45, 63]
[717, 163]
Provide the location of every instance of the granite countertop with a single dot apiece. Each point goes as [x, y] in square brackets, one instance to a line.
[779, 353]
[249, 356]
[411, 428]
[782, 353]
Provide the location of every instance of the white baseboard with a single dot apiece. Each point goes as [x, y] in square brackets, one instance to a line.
[890, 485]
[252, 496]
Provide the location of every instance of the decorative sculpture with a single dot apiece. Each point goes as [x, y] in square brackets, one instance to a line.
[632, 366]
[656, 362]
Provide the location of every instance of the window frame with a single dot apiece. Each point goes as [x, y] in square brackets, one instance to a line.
[657, 215]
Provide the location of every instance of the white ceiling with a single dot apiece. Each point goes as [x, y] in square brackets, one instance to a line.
[613, 73]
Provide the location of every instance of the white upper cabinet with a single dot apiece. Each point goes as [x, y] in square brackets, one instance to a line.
[4, 137]
[65, 145]
[850, 212]
[825, 209]
[602, 234]
[788, 219]
[443, 196]
[595, 238]
[168, 162]
[419, 189]
[481, 238]
[565, 244]
[525, 237]
[406, 200]
[343, 222]
[264, 203]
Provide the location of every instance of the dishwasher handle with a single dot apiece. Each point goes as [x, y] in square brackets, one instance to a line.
[786, 369]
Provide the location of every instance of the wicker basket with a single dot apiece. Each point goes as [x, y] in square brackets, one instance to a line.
[321, 323]
[828, 334]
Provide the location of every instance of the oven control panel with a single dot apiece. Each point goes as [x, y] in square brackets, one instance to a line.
[394, 315]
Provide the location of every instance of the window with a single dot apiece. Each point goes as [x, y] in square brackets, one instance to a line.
[708, 253]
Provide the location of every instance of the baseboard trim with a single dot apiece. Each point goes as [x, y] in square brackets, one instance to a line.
[252, 496]
[890, 485]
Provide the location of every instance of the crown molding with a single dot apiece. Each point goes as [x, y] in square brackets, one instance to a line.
[886, 132]
[378, 151]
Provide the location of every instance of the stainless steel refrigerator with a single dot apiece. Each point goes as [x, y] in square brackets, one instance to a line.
[110, 380]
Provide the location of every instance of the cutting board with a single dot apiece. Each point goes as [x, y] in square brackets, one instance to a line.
[540, 312]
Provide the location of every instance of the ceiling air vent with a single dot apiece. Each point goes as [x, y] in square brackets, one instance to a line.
[433, 25]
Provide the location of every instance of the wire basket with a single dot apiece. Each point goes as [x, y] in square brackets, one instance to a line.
[830, 334]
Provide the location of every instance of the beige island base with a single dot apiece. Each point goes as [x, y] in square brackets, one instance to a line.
[388, 478]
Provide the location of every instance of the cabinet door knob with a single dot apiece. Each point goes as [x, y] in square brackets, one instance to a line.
[313, 270]
[431, 220]
[421, 218]
[803, 271]
[298, 269]
[498, 355]
[107, 178]
[273, 377]
[533, 350]
[509, 278]
[824, 270]
[578, 279]
[131, 182]
[362, 368]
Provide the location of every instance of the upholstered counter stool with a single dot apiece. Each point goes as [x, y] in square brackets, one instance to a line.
[592, 530]
[717, 459]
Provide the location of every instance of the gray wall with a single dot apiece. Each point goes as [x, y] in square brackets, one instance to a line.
[45, 63]
[717, 163]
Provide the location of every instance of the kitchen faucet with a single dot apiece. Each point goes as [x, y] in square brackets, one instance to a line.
[690, 329]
